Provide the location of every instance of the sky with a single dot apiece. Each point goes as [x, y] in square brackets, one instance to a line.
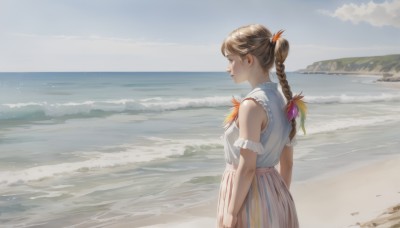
[184, 35]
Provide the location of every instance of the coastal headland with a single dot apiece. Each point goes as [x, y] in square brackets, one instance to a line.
[387, 67]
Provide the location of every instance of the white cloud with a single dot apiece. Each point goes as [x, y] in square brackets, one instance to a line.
[377, 14]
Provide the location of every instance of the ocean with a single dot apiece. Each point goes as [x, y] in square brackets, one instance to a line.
[91, 149]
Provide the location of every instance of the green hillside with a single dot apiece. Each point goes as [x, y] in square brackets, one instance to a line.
[387, 64]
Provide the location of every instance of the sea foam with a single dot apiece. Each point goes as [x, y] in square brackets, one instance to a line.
[160, 148]
[348, 123]
[349, 99]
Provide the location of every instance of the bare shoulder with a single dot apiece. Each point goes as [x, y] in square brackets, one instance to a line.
[250, 120]
[251, 106]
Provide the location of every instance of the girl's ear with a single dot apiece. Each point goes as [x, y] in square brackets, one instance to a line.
[249, 59]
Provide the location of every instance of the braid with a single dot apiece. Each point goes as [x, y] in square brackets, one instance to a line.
[280, 72]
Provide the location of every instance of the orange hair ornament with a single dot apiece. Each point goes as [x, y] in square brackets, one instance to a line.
[276, 36]
[234, 111]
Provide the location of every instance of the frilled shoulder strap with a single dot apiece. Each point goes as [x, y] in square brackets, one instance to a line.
[248, 144]
[263, 101]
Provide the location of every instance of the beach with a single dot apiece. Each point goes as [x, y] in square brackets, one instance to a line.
[390, 84]
[349, 199]
[358, 197]
[144, 149]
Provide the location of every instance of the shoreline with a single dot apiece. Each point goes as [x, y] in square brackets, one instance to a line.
[382, 76]
[353, 198]
[379, 74]
[389, 84]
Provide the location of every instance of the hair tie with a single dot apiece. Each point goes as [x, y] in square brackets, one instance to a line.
[276, 36]
[295, 105]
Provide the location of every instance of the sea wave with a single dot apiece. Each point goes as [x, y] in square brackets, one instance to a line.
[89, 108]
[159, 148]
[350, 99]
[347, 123]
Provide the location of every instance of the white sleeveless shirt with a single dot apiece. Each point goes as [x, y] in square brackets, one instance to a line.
[272, 138]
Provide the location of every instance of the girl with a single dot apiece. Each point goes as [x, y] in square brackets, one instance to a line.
[259, 134]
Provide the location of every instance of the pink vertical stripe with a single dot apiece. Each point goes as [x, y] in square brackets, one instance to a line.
[269, 201]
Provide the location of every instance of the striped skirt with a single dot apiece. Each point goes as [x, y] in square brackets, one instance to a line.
[268, 203]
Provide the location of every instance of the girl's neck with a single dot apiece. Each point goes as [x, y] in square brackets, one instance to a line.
[258, 76]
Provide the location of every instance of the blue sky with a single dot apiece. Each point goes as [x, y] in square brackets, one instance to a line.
[184, 35]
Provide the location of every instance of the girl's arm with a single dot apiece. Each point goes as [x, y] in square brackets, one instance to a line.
[242, 180]
[250, 120]
[286, 164]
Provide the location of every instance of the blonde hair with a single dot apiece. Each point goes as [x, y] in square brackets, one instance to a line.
[256, 40]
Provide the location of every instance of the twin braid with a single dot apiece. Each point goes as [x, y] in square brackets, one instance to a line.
[280, 72]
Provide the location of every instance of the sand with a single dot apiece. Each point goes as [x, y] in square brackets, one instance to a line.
[390, 84]
[365, 196]
[349, 199]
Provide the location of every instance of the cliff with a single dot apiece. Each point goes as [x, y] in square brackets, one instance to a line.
[388, 66]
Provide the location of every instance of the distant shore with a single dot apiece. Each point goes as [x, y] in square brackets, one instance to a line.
[390, 84]
[384, 77]
[387, 66]
[340, 73]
